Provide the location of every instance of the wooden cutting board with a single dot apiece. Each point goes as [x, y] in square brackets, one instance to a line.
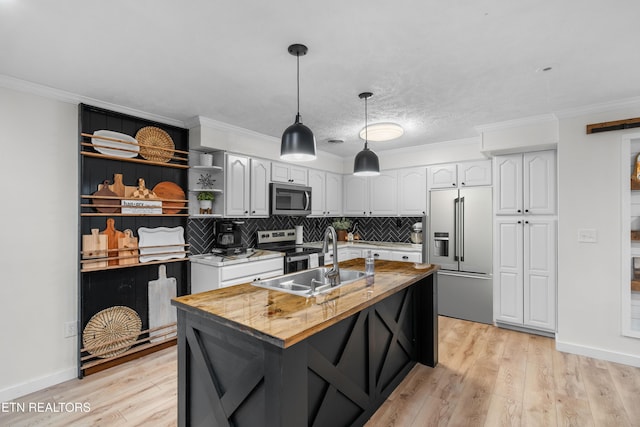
[128, 249]
[170, 190]
[161, 312]
[112, 239]
[104, 205]
[94, 245]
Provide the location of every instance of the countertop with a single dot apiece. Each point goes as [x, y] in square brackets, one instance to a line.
[370, 244]
[284, 319]
[221, 261]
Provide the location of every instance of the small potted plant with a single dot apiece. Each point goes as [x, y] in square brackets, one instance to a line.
[206, 199]
[341, 226]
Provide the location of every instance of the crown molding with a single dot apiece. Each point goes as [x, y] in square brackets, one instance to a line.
[602, 107]
[72, 98]
[226, 127]
[508, 124]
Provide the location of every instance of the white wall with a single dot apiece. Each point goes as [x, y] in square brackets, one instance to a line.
[38, 294]
[589, 275]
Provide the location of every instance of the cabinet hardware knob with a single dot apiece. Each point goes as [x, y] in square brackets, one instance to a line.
[526, 210]
[246, 212]
[526, 222]
[462, 183]
[519, 210]
[519, 222]
[405, 257]
[253, 211]
[454, 184]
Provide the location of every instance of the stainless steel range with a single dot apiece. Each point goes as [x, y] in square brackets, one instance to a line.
[297, 257]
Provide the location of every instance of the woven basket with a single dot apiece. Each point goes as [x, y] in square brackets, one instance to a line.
[155, 144]
[111, 331]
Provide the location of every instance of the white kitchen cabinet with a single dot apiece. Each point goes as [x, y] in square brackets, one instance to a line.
[205, 277]
[455, 175]
[344, 254]
[326, 193]
[383, 194]
[525, 272]
[443, 176]
[355, 196]
[259, 189]
[380, 254]
[412, 194]
[246, 187]
[333, 194]
[282, 172]
[406, 256]
[525, 183]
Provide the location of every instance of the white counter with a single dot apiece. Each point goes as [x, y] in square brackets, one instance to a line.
[219, 261]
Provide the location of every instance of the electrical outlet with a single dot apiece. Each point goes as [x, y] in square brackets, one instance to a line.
[70, 329]
[587, 235]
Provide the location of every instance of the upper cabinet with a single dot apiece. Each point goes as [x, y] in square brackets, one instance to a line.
[392, 193]
[412, 192]
[526, 183]
[454, 175]
[282, 172]
[246, 186]
[326, 193]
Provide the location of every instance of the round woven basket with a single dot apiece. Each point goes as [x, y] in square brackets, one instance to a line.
[155, 144]
[111, 331]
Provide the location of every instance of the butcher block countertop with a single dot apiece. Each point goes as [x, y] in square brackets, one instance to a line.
[284, 319]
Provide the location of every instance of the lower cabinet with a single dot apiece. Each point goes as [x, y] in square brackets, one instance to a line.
[525, 273]
[347, 253]
[205, 277]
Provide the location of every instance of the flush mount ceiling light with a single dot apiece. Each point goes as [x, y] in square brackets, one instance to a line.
[382, 131]
[366, 162]
[298, 142]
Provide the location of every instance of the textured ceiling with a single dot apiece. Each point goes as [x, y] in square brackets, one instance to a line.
[438, 68]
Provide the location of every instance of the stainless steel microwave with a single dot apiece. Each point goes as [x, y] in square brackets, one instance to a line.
[290, 199]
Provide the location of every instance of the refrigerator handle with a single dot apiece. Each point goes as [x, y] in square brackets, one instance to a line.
[462, 229]
[456, 215]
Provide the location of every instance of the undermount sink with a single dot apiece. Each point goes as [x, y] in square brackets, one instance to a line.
[301, 282]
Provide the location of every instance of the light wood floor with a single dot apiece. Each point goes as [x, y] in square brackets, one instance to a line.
[487, 376]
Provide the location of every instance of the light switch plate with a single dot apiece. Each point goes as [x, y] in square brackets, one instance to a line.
[587, 235]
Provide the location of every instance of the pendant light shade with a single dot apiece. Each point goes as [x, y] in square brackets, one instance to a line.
[366, 162]
[298, 142]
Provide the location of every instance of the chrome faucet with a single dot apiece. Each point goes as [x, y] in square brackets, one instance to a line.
[333, 275]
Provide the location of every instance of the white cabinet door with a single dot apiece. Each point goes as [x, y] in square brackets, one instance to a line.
[282, 172]
[526, 183]
[539, 182]
[259, 192]
[406, 256]
[381, 254]
[508, 188]
[298, 175]
[345, 254]
[540, 273]
[383, 194]
[508, 296]
[237, 186]
[317, 182]
[412, 194]
[474, 173]
[355, 197]
[279, 172]
[442, 176]
[333, 194]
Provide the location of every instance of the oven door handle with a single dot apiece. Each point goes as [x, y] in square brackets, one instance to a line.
[297, 258]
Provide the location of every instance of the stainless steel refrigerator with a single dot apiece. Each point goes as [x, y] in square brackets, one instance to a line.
[460, 241]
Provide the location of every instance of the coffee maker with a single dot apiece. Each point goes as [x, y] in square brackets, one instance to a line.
[229, 237]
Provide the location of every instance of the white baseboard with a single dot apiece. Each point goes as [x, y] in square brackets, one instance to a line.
[19, 390]
[598, 353]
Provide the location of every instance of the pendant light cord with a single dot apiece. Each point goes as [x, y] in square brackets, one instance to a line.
[366, 125]
[298, 80]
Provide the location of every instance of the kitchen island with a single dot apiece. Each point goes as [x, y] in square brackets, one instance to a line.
[252, 356]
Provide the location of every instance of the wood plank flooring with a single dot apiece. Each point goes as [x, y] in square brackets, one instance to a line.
[487, 376]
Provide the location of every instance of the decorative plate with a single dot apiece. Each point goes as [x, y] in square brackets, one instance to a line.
[154, 243]
[111, 332]
[127, 146]
[155, 144]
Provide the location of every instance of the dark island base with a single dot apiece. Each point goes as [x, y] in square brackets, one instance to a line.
[336, 377]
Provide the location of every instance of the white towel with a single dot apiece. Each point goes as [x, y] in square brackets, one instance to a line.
[313, 260]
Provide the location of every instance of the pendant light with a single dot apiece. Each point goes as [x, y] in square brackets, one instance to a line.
[366, 162]
[298, 142]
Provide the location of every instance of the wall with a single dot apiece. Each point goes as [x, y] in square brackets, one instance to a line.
[38, 181]
[589, 274]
